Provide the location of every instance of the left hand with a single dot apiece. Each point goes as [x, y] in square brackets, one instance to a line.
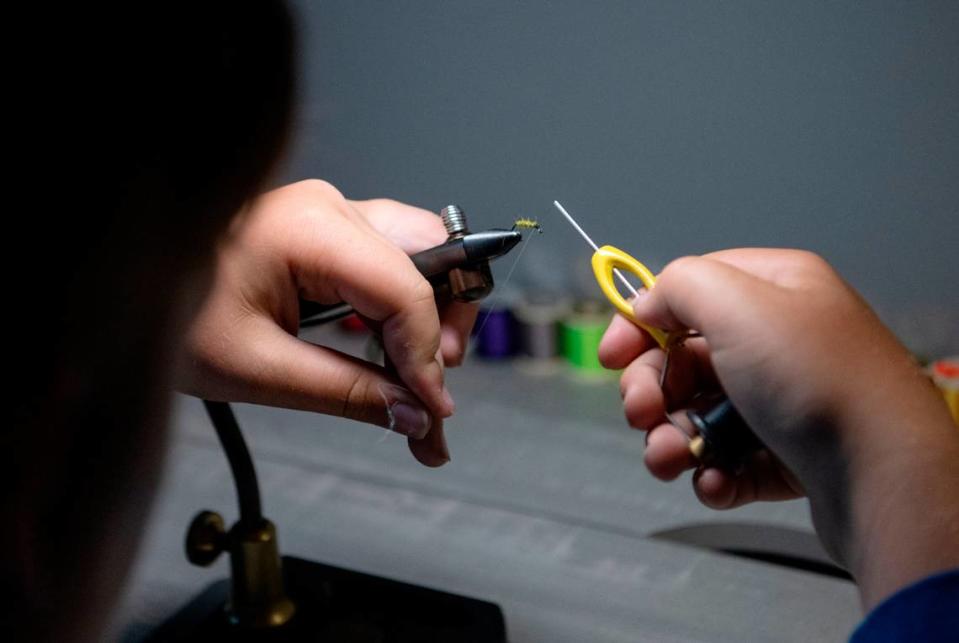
[306, 240]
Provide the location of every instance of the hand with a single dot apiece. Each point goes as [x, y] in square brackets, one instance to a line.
[846, 413]
[306, 240]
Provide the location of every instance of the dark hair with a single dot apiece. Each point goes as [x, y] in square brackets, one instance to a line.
[165, 121]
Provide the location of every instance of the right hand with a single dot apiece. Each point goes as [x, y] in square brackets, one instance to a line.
[847, 415]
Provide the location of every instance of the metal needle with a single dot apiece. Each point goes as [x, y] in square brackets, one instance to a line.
[575, 225]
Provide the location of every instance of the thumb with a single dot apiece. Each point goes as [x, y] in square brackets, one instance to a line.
[711, 296]
[271, 367]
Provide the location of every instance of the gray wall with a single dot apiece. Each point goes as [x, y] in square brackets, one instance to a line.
[668, 128]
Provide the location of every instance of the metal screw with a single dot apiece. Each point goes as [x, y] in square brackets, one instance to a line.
[454, 219]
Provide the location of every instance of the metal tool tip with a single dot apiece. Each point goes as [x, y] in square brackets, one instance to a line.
[575, 225]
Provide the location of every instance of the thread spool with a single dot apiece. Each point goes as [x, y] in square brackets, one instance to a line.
[495, 337]
[538, 320]
[538, 331]
[580, 334]
[352, 324]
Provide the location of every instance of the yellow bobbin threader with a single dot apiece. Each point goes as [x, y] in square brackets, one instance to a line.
[607, 259]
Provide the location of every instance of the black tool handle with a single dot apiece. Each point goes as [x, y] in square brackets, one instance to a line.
[726, 439]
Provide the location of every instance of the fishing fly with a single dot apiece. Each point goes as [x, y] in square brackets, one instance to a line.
[524, 223]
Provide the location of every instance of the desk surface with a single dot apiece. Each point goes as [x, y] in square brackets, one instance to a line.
[545, 509]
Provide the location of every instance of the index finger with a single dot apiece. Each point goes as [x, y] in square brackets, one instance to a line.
[347, 263]
[414, 229]
[622, 343]
[411, 228]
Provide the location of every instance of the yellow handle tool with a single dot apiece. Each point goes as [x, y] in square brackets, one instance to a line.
[724, 439]
[607, 259]
[607, 262]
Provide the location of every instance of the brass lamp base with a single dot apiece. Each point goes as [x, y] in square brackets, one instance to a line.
[339, 605]
[272, 599]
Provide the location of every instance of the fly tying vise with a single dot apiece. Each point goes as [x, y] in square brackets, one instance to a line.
[724, 439]
[457, 269]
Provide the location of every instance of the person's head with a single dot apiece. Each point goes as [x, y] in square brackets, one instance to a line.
[166, 120]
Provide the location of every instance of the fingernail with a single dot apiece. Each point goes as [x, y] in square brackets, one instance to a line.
[406, 415]
[448, 401]
[410, 420]
[638, 298]
[446, 450]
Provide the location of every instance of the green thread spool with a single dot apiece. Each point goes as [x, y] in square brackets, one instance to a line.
[580, 335]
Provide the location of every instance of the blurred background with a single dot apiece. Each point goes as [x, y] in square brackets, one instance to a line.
[667, 128]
